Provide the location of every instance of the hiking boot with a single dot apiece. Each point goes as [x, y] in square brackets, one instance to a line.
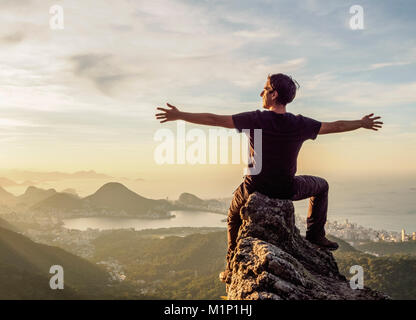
[323, 242]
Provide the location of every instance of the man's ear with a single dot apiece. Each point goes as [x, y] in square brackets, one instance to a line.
[275, 94]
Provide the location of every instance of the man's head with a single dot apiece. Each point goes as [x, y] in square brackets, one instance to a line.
[280, 89]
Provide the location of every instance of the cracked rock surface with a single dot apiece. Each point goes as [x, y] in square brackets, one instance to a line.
[273, 261]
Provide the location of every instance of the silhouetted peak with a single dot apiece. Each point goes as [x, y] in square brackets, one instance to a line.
[189, 198]
[34, 190]
[113, 187]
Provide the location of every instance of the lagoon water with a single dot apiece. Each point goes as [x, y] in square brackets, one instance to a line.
[194, 219]
[367, 217]
[384, 204]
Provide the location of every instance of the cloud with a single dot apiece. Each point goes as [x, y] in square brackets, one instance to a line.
[4, 122]
[12, 38]
[402, 58]
[102, 69]
[328, 87]
[99, 79]
[261, 34]
[388, 64]
[13, 3]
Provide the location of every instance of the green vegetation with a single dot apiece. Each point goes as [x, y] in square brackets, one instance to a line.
[172, 267]
[25, 265]
[393, 274]
[163, 264]
[386, 248]
[188, 267]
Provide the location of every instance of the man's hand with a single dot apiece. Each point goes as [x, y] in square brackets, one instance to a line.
[171, 114]
[208, 119]
[370, 123]
[348, 125]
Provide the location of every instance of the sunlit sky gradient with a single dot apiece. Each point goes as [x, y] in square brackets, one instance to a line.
[84, 97]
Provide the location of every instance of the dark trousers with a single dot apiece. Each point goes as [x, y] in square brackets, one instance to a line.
[314, 188]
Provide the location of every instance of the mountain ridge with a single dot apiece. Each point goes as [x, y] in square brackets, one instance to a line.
[25, 265]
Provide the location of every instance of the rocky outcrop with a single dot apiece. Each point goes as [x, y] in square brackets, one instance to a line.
[273, 261]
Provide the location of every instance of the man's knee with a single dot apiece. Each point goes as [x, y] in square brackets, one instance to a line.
[324, 185]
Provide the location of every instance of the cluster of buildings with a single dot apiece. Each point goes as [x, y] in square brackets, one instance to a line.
[76, 241]
[353, 232]
[114, 269]
[407, 237]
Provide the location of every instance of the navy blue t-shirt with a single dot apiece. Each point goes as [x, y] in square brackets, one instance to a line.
[282, 137]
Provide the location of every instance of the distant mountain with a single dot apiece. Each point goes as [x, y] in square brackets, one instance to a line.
[6, 198]
[111, 199]
[34, 195]
[21, 175]
[71, 191]
[116, 197]
[25, 265]
[190, 199]
[91, 174]
[4, 182]
[60, 202]
[27, 183]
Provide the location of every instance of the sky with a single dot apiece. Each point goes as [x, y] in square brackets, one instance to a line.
[84, 97]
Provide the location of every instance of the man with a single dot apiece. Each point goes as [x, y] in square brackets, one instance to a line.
[282, 137]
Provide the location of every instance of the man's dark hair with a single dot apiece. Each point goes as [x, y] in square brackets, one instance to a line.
[285, 87]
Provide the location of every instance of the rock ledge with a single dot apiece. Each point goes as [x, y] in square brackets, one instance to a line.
[272, 261]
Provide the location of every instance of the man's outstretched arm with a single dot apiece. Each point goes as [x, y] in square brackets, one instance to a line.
[209, 119]
[348, 125]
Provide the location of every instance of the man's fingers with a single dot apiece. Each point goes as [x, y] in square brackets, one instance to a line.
[162, 109]
[378, 122]
[160, 114]
[164, 121]
[169, 105]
